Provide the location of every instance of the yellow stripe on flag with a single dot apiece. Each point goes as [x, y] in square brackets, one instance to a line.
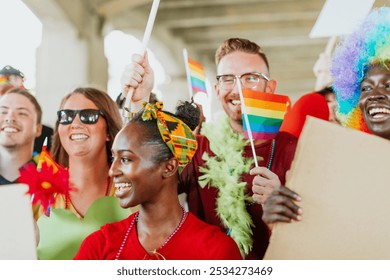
[265, 113]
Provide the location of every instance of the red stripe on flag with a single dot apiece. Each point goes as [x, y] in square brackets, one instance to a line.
[265, 96]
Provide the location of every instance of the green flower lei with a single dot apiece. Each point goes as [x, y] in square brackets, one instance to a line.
[223, 171]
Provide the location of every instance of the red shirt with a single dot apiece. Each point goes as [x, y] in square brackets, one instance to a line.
[195, 240]
[202, 201]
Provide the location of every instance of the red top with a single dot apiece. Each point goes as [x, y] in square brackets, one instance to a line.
[311, 104]
[195, 240]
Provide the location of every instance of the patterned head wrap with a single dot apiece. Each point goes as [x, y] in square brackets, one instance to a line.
[368, 45]
[174, 132]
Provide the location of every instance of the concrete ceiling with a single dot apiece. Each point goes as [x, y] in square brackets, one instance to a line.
[281, 27]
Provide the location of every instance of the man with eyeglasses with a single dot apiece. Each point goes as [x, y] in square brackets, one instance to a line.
[219, 182]
[20, 124]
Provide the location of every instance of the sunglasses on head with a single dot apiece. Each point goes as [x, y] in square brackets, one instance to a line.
[87, 116]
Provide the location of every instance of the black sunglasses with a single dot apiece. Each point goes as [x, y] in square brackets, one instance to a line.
[87, 116]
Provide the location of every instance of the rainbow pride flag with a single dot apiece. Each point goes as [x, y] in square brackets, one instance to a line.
[265, 113]
[197, 76]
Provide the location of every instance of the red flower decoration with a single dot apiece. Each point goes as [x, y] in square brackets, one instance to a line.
[45, 182]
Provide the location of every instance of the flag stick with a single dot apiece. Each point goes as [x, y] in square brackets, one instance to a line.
[40, 161]
[245, 114]
[145, 40]
[185, 55]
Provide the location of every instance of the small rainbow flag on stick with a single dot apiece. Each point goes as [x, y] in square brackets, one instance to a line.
[195, 75]
[265, 113]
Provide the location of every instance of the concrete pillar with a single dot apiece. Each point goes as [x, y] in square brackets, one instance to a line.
[61, 65]
[97, 62]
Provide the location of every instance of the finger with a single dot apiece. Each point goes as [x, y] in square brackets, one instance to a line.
[131, 78]
[145, 61]
[137, 58]
[279, 211]
[139, 69]
[274, 201]
[262, 190]
[132, 68]
[283, 190]
[259, 199]
[262, 181]
[264, 172]
[275, 218]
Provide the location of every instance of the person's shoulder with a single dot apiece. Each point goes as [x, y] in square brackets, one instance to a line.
[207, 231]
[203, 146]
[216, 242]
[117, 228]
[202, 140]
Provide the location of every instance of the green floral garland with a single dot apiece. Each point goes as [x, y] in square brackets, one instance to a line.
[223, 171]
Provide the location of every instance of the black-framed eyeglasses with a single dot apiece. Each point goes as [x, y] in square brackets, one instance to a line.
[248, 80]
[87, 116]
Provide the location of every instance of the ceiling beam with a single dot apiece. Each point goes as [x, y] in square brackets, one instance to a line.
[113, 7]
[238, 19]
[174, 4]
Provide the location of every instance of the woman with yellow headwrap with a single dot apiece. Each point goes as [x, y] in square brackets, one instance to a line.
[149, 153]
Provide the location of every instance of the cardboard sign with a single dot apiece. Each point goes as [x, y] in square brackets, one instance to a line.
[340, 17]
[342, 176]
[17, 235]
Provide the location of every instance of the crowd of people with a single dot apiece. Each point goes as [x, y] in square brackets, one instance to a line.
[138, 169]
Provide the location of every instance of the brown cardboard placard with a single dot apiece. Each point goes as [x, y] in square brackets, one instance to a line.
[342, 176]
[17, 235]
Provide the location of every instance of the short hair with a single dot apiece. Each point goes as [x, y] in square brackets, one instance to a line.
[239, 44]
[32, 99]
[120, 101]
[325, 91]
[111, 114]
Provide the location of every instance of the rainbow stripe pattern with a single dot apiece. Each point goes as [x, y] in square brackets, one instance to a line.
[265, 113]
[197, 76]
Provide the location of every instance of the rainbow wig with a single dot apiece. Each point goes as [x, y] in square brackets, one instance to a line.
[368, 45]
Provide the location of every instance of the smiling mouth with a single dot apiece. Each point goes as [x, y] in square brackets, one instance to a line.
[378, 113]
[236, 102]
[122, 186]
[9, 129]
[78, 137]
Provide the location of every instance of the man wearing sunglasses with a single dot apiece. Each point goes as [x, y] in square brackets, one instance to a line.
[20, 124]
[220, 181]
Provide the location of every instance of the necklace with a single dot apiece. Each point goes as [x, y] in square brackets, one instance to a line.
[223, 170]
[135, 220]
[68, 202]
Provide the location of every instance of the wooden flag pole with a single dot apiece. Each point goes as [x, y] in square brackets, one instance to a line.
[148, 31]
[185, 55]
[245, 114]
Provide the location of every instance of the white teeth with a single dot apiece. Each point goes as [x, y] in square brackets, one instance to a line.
[375, 111]
[78, 136]
[236, 102]
[10, 129]
[119, 186]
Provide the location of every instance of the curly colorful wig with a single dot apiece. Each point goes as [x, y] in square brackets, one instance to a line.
[366, 46]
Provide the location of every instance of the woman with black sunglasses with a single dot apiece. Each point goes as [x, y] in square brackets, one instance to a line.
[87, 123]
